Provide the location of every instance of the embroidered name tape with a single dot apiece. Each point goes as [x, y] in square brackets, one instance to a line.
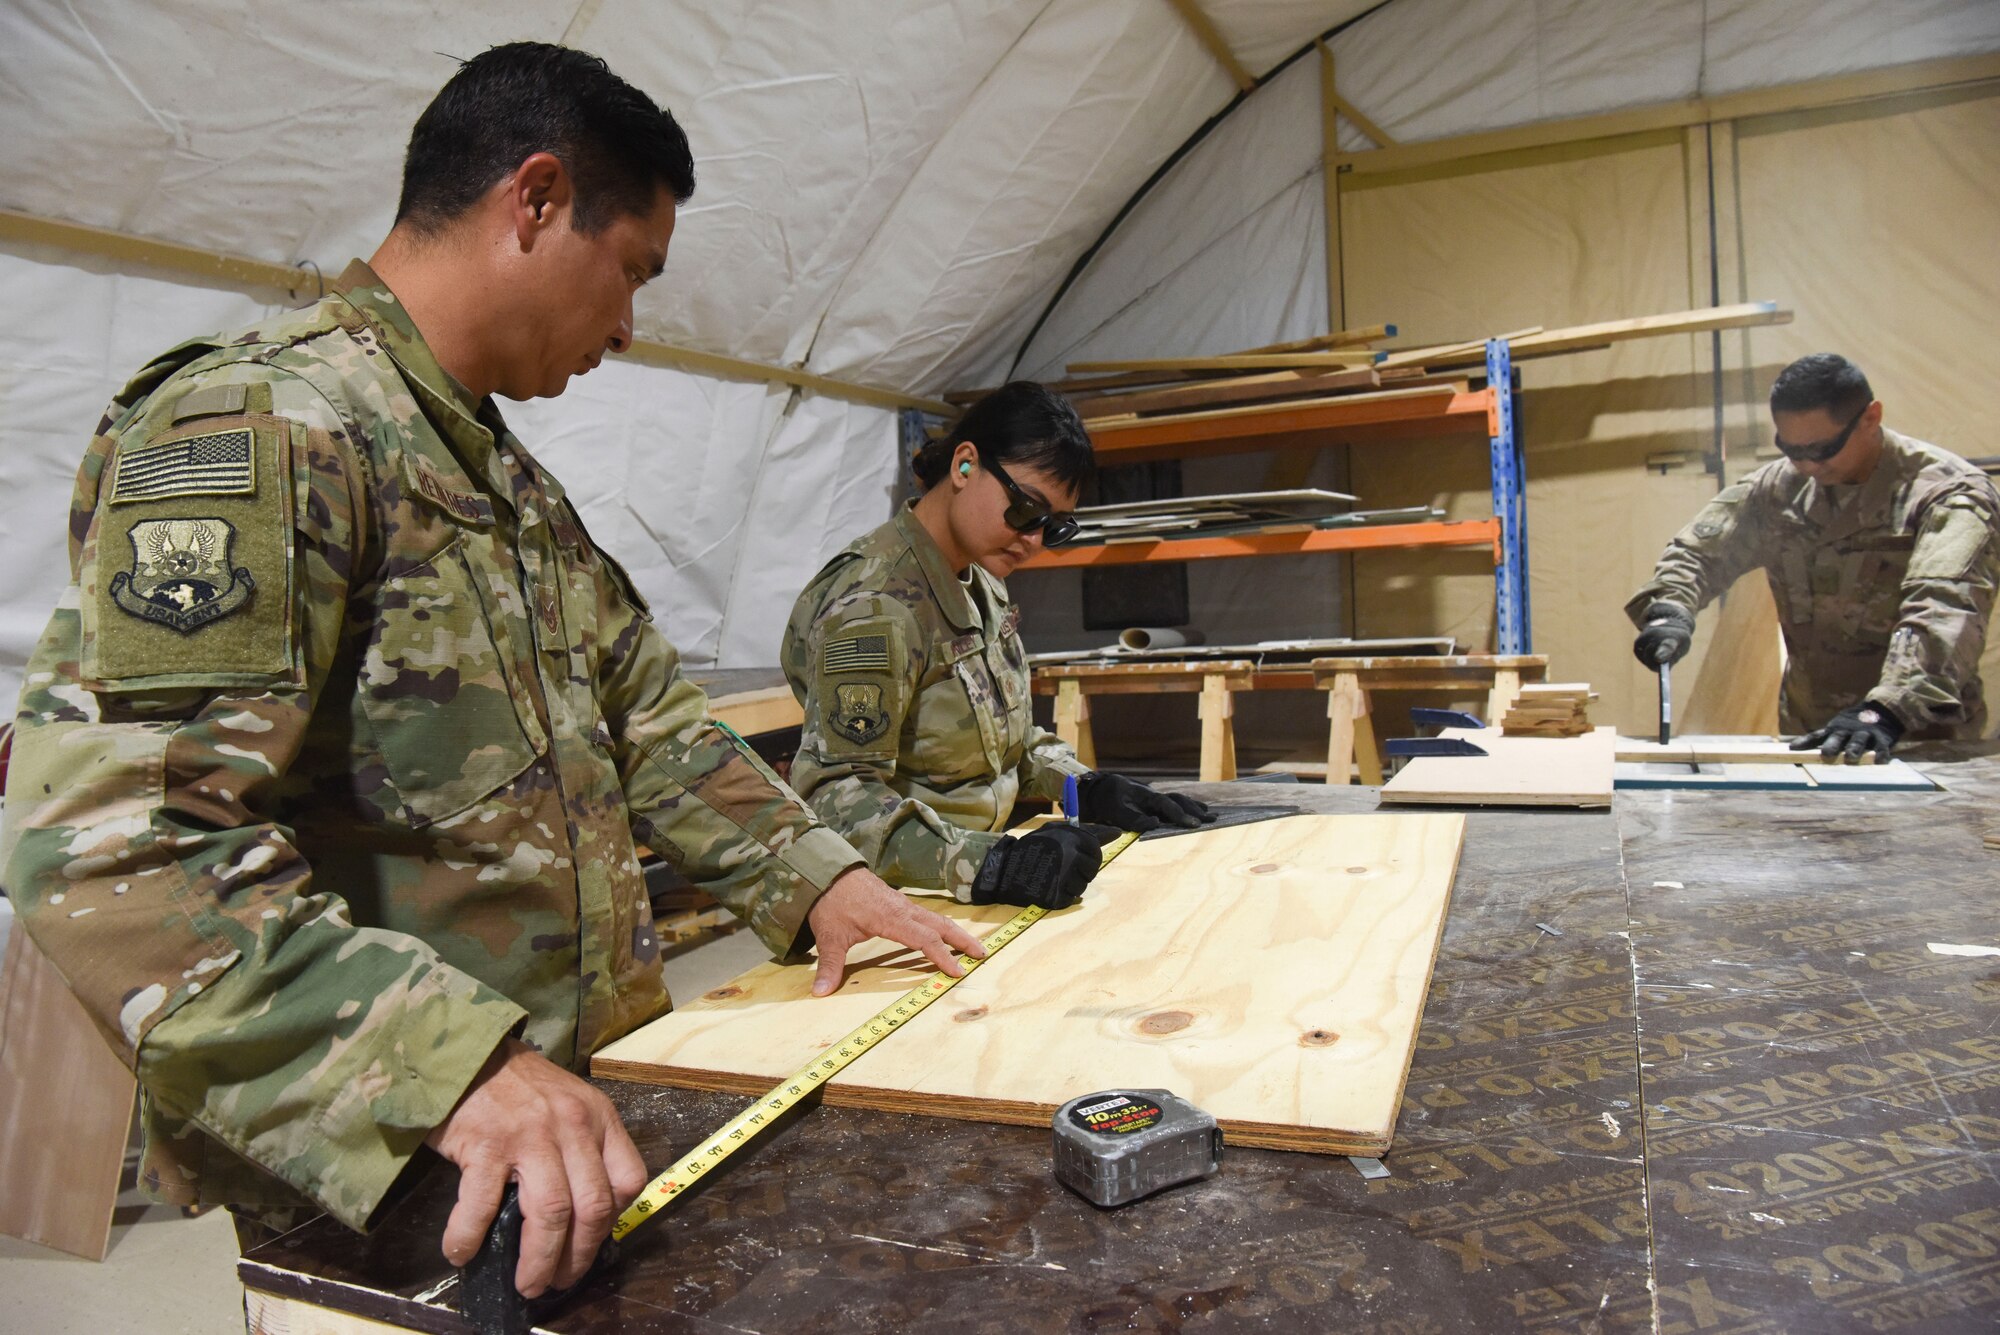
[858, 653]
[222, 463]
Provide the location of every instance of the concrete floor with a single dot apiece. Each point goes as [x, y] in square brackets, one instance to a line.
[167, 1275]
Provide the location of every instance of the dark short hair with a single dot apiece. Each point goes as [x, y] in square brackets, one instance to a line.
[1821, 380]
[1019, 423]
[511, 102]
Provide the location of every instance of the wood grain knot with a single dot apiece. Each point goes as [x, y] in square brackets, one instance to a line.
[1165, 1022]
[965, 1017]
[1267, 868]
[1318, 1038]
[722, 993]
[1357, 871]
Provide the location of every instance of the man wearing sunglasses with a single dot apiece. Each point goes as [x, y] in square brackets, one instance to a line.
[1882, 556]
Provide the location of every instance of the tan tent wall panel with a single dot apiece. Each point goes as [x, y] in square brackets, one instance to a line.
[1547, 237]
[1880, 224]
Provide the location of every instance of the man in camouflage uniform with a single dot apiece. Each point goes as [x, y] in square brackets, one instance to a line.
[329, 764]
[1882, 557]
[919, 734]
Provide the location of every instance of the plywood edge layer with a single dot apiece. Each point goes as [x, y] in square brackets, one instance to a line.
[1421, 799]
[1252, 1135]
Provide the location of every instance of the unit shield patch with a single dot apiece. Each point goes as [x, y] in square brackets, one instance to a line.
[180, 575]
[858, 714]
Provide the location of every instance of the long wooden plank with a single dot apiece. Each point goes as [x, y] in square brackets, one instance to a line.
[1270, 361]
[65, 1110]
[1232, 389]
[1515, 771]
[1358, 403]
[1389, 414]
[1423, 356]
[1340, 338]
[1274, 974]
[1580, 338]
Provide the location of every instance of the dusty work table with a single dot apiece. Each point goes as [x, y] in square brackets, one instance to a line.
[1688, 1064]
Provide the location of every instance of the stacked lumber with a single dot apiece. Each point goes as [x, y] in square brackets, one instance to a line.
[1550, 709]
[1344, 364]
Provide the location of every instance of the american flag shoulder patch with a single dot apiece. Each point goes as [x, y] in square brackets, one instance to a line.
[856, 653]
[220, 463]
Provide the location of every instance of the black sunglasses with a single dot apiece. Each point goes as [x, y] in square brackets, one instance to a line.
[1821, 451]
[1025, 514]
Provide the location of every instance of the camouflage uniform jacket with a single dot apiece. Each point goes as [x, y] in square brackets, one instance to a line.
[1883, 589]
[329, 764]
[919, 729]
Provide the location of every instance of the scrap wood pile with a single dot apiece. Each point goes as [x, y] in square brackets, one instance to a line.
[1550, 709]
[1345, 365]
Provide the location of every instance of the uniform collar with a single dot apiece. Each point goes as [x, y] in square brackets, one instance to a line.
[948, 591]
[470, 427]
[1873, 498]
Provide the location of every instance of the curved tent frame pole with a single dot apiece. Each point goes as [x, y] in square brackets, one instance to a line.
[1206, 128]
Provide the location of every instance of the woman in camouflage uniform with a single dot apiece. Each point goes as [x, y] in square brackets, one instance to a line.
[919, 734]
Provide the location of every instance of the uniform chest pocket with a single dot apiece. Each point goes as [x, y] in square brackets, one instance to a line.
[956, 735]
[989, 708]
[1008, 663]
[1864, 579]
[438, 691]
[1007, 658]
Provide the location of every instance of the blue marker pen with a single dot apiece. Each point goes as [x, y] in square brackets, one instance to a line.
[1069, 798]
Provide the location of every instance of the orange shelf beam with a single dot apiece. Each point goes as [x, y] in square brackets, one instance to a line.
[1450, 533]
[1316, 423]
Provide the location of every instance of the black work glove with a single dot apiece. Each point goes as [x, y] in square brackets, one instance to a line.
[1854, 732]
[1669, 631]
[1049, 866]
[1113, 799]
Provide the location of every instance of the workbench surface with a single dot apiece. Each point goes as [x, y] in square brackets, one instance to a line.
[1688, 1064]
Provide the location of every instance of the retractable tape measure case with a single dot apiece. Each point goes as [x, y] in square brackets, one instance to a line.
[1117, 1145]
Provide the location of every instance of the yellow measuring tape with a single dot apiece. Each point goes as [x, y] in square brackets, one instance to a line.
[739, 1130]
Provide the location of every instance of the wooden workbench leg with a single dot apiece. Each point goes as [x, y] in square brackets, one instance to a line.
[1073, 720]
[1218, 730]
[1344, 706]
[1506, 686]
[1366, 756]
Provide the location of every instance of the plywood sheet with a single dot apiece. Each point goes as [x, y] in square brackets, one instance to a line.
[65, 1110]
[1274, 974]
[1895, 777]
[1516, 771]
[1720, 751]
[1761, 778]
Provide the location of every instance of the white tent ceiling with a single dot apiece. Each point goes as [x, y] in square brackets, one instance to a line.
[885, 187]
